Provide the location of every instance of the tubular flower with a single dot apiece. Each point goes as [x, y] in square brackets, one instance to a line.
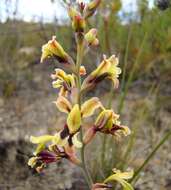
[63, 81]
[121, 177]
[54, 49]
[107, 69]
[118, 176]
[62, 138]
[53, 148]
[107, 122]
[91, 8]
[49, 155]
[91, 37]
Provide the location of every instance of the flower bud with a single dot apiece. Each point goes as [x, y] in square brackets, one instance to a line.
[90, 37]
[82, 71]
[78, 24]
[81, 5]
[72, 12]
[91, 8]
[89, 135]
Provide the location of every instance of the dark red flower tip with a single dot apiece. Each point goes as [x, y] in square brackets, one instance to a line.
[47, 157]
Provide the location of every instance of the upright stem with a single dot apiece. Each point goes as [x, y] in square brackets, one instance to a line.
[163, 140]
[80, 51]
[130, 78]
[108, 51]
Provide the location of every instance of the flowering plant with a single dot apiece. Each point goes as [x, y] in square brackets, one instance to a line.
[72, 88]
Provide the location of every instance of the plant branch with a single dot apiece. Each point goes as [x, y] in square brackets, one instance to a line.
[139, 170]
[80, 52]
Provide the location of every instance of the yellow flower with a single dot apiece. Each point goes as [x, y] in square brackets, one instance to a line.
[52, 154]
[54, 49]
[74, 119]
[91, 8]
[66, 82]
[107, 69]
[107, 122]
[78, 22]
[118, 176]
[91, 37]
[121, 177]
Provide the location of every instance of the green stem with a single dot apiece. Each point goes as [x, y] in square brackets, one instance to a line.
[80, 50]
[127, 85]
[103, 152]
[126, 57]
[136, 174]
[109, 104]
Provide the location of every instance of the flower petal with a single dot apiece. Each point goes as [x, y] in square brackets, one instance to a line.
[39, 148]
[120, 177]
[89, 107]
[74, 119]
[53, 48]
[41, 139]
[76, 142]
[63, 104]
[59, 141]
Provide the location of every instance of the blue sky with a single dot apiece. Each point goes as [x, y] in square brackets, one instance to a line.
[37, 9]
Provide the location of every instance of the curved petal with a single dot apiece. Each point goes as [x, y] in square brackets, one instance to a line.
[74, 119]
[41, 139]
[89, 107]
